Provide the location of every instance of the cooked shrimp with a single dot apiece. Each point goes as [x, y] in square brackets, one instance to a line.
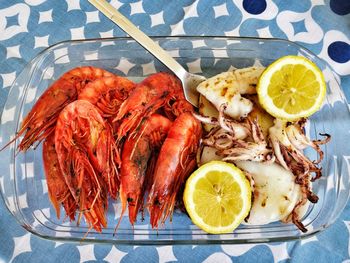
[84, 147]
[176, 160]
[136, 155]
[156, 91]
[40, 121]
[107, 93]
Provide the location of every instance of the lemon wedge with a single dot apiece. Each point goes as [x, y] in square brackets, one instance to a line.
[217, 197]
[292, 87]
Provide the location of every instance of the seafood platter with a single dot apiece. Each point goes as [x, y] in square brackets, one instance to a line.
[100, 145]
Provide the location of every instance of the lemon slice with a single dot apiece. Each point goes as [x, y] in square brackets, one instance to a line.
[291, 87]
[217, 197]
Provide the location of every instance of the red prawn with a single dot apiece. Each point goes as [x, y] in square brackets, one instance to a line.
[85, 147]
[175, 162]
[156, 91]
[136, 170]
[40, 122]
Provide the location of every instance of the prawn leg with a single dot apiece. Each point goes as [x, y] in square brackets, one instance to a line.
[57, 188]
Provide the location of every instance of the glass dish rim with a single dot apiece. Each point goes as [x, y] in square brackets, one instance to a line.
[185, 241]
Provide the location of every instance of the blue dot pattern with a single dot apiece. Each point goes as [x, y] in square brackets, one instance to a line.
[339, 51]
[29, 26]
[340, 7]
[254, 7]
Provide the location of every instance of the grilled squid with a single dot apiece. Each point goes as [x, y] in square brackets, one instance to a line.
[270, 151]
[237, 140]
[228, 87]
[288, 142]
[276, 195]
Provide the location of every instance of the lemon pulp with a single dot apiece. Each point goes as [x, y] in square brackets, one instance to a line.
[292, 87]
[217, 197]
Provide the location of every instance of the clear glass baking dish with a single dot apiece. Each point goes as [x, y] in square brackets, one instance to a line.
[22, 182]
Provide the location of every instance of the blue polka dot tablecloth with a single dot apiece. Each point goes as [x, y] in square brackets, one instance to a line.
[29, 26]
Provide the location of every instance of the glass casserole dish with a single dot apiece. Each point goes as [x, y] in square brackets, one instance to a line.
[23, 185]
